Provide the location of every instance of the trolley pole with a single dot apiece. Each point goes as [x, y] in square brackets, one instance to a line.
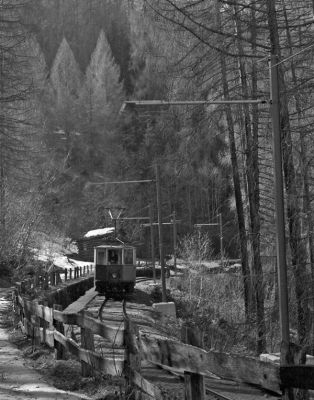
[161, 250]
[279, 201]
[152, 240]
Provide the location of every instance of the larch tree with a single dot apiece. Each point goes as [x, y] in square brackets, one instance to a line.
[66, 81]
[62, 137]
[100, 100]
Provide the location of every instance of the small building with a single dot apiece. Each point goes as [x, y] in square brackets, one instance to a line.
[94, 238]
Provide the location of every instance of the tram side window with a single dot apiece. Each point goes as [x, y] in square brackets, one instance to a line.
[128, 256]
[114, 257]
[101, 258]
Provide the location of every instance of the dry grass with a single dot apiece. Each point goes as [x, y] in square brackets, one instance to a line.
[214, 304]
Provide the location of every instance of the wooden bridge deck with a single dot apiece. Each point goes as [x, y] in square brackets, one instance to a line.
[170, 383]
[81, 303]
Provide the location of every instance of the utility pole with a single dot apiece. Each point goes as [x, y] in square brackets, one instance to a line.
[221, 240]
[174, 223]
[279, 201]
[161, 250]
[174, 240]
[152, 240]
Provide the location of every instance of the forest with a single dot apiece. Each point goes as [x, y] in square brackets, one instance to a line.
[66, 68]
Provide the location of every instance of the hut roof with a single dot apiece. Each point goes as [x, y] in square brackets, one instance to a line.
[99, 232]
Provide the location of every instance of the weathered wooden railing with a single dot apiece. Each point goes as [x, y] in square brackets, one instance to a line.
[46, 279]
[47, 325]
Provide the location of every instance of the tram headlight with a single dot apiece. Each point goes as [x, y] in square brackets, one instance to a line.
[115, 275]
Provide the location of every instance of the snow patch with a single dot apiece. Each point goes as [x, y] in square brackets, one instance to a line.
[99, 232]
[65, 262]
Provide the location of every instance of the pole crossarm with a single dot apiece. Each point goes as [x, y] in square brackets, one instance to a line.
[164, 223]
[134, 218]
[136, 103]
[122, 182]
[199, 225]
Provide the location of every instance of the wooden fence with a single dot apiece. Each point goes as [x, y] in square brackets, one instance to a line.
[46, 279]
[47, 325]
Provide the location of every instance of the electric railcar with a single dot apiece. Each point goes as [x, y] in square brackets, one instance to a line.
[115, 269]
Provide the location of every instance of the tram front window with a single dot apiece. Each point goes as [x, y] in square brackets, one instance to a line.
[128, 256]
[113, 257]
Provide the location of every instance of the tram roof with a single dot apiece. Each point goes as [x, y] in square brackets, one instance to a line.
[114, 246]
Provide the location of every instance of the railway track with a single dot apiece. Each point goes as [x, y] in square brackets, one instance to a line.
[143, 279]
[110, 302]
[213, 395]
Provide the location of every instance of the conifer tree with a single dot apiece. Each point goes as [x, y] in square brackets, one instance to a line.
[100, 100]
[66, 79]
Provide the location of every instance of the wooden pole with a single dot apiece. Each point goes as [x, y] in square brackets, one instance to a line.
[285, 353]
[194, 383]
[279, 200]
[161, 250]
[133, 353]
[87, 342]
[221, 240]
[174, 216]
[152, 240]
[59, 349]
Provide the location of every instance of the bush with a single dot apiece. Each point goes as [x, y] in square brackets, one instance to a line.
[195, 246]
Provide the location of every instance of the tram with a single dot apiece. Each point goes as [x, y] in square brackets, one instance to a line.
[115, 269]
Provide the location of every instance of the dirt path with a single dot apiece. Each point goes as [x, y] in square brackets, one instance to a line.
[17, 380]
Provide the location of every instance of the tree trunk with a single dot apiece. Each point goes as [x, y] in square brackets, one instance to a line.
[188, 189]
[298, 250]
[237, 185]
[2, 180]
[252, 176]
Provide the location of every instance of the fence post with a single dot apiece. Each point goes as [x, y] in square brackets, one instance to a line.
[133, 354]
[59, 350]
[80, 271]
[70, 274]
[46, 281]
[23, 287]
[36, 280]
[87, 342]
[59, 280]
[35, 322]
[51, 278]
[65, 274]
[194, 383]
